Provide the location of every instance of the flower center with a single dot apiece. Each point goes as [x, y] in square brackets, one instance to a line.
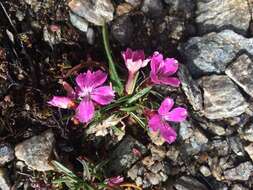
[85, 92]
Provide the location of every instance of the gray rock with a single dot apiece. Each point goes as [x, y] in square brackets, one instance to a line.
[97, 12]
[152, 8]
[222, 98]
[249, 150]
[123, 157]
[122, 29]
[238, 187]
[36, 151]
[185, 130]
[195, 143]
[188, 183]
[213, 127]
[190, 88]
[205, 171]
[221, 147]
[213, 15]
[240, 173]
[241, 71]
[4, 180]
[213, 52]
[247, 133]
[184, 8]
[6, 153]
[236, 145]
[78, 22]
[134, 3]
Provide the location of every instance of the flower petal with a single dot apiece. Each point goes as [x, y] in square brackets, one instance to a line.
[172, 81]
[156, 60]
[168, 133]
[177, 115]
[138, 55]
[85, 111]
[71, 92]
[91, 79]
[102, 95]
[170, 66]
[61, 102]
[155, 122]
[127, 54]
[166, 106]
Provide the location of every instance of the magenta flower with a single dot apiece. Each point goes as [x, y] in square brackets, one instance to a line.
[162, 70]
[134, 61]
[61, 102]
[113, 181]
[90, 91]
[159, 121]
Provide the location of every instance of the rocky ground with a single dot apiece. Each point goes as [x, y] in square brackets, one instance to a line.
[212, 39]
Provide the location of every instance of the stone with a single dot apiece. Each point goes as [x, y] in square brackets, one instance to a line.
[213, 127]
[6, 153]
[134, 3]
[190, 88]
[212, 52]
[97, 12]
[185, 130]
[222, 98]
[123, 156]
[36, 151]
[4, 180]
[78, 22]
[195, 143]
[188, 183]
[249, 150]
[241, 72]
[238, 187]
[221, 147]
[205, 171]
[247, 133]
[123, 8]
[236, 145]
[152, 8]
[214, 15]
[241, 173]
[184, 8]
[122, 29]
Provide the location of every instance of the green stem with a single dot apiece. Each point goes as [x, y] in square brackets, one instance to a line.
[112, 70]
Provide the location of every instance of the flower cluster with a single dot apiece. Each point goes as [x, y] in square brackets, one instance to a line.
[91, 92]
[88, 92]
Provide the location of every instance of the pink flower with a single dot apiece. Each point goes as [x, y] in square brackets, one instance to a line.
[90, 91]
[134, 61]
[113, 181]
[158, 121]
[162, 70]
[61, 102]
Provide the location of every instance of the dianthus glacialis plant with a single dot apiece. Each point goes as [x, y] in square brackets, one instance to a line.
[93, 100]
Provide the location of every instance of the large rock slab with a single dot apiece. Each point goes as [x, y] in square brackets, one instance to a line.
[214, 51]
[213, 15]
[241, 72]
[36, 151]
[222, 98]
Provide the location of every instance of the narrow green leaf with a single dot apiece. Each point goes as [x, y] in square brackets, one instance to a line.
[112, 69]
[138, 120]
[63, 169]
[138, 95]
